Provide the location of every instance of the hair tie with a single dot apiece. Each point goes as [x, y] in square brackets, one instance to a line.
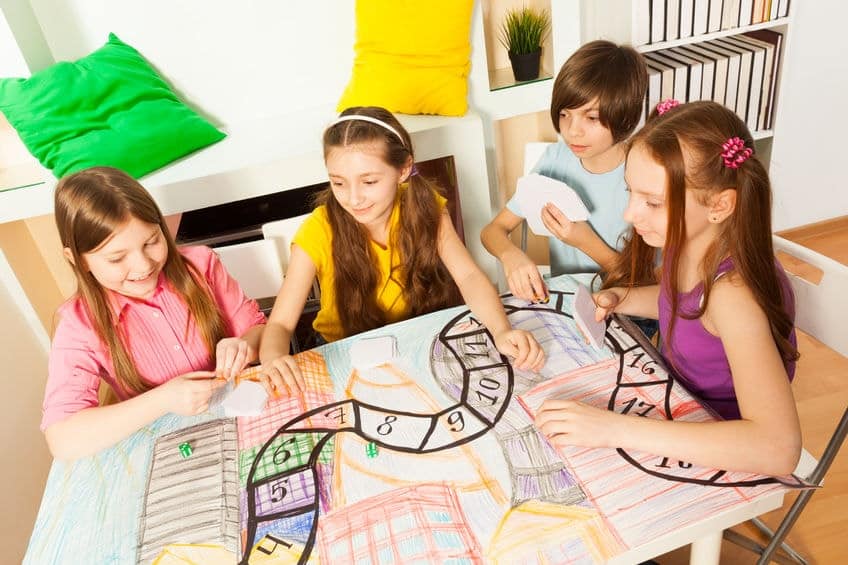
[666, 105]
[369, 119]
[734, 152]
[413, 171]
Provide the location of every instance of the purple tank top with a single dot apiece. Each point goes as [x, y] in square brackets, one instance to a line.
[698, 356]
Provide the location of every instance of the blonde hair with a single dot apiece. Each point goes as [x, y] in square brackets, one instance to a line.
[89, 206]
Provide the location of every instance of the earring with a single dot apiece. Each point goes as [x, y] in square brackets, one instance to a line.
[714, 219]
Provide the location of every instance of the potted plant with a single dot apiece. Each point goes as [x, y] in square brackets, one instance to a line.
[522, 32]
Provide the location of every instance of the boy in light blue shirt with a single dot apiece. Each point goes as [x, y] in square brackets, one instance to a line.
[597, 100]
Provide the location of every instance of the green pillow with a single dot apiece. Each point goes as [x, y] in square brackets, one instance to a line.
[108, 108]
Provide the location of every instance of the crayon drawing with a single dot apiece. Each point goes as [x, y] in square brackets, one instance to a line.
[431, 457]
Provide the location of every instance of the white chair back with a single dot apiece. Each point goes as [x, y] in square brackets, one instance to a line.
[533, 151]
[821, 309]
[283, 231]
[255, 265]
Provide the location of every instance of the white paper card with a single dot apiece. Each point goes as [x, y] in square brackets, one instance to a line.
[534, 191]
[584, 315]
[372, 351]
[247, 399]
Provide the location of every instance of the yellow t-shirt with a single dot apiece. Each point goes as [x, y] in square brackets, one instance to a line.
[316, 239]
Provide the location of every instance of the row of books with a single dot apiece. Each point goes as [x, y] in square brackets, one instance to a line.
[667, 20]
[738, 71]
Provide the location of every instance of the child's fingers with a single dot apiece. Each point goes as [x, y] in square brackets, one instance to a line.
[291, 374]
[528, 350]
[520, 287]
[533, 350]
[240, 360]
[539, 360]
[278, 382]
[554, 226]
[555, 219]
[552, 414]
[605, 303]
[540, 291]
[265, 380]
[224, 361]
[200, 376]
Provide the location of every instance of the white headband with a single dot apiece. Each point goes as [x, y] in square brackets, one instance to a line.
[381, 123]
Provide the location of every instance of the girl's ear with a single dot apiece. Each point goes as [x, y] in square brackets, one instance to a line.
[406, 170]
[66, 251]
[723, 205]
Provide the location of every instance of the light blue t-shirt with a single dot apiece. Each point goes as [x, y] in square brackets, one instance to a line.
[604, 195]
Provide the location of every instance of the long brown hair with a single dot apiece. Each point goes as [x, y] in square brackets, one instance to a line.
[89, 206]
[426, 282]
[687, 142]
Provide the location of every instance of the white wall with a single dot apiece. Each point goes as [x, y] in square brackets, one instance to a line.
[23, 358]
[244, 61]
[12, 62]
[809, 154]
[237, 61]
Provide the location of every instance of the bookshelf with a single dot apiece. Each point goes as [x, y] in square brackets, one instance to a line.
[729, 51]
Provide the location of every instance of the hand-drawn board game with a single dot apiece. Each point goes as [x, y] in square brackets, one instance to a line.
[433, 458]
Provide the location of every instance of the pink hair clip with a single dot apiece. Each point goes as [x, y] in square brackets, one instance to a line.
[735, 153]
[666, 105]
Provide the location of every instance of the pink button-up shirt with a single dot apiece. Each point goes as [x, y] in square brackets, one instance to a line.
[162, 339]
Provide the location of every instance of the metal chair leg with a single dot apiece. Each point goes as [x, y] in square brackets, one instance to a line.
[524, 235]
[770, 552]
[815, 477]
[752, 546]
[785, 547]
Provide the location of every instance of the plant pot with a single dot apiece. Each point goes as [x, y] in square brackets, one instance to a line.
[525, 66]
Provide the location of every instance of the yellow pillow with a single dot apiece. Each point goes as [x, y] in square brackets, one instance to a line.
[412, 56]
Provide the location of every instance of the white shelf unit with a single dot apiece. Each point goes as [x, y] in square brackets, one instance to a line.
[629, 27]
[494, 92]
[515, 113]
[261, 158]
[497, 59]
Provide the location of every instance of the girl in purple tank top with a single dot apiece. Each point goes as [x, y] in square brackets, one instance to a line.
[724, 304]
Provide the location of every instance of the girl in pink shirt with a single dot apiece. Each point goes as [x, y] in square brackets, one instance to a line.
[157, 324]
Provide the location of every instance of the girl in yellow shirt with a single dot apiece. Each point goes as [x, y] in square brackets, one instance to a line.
[383, 248]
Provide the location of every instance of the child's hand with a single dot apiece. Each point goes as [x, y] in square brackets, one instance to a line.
[284, 376]
[575, 234]
[232, 354]
[189, 394]
[568, 422]
[526, 352]
[605, 303]
[523, 278]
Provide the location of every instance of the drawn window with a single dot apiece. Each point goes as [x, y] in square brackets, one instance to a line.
[385, 556]
[380, 531]
[447, 540]
[358, 540]
[438, 517]
[339, 549]
[412, 546]
[402, 524]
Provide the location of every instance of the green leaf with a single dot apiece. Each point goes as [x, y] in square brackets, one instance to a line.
[523, 30]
